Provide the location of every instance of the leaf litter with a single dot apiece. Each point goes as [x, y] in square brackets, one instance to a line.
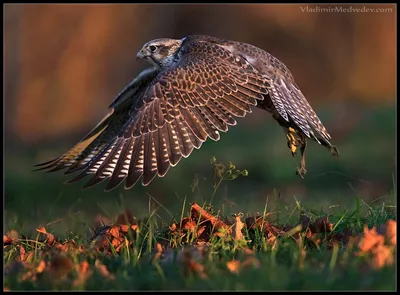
[51, 257]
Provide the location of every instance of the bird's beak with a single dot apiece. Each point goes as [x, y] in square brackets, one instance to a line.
[140, 54]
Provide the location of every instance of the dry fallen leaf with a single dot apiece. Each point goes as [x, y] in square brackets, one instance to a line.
[190, 225]
[203, 233]
[255, 222]
[321, 225]
[273, 241]
[114, 231]
[382, 255]
[41, 267]
[84, 272]
[370, 239]
[191, 266]
[101, 243]
[237, 227]
[84, 267]
[7, 240]
[391, 232]
[248, 251]
[23, 255]
[113, 235]
[340, 237]
[70, 244]
[29, 275]
[173, 227]
[11, 237]
[302, 257]
[118, 243]
[197, 212]
[233, 266]
[49, 236]
[103, 270]
[60, 266]
[158, 252]
[125, 228]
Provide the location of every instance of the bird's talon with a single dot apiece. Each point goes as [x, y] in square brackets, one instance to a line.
[301, 171]
[293, 149]
[292, 144]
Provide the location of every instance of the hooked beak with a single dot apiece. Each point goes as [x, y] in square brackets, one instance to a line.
[140, 55]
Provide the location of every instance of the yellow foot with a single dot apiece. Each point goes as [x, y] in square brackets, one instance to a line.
[292, 143]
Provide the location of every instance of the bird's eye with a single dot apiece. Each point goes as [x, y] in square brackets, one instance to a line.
[153, 48]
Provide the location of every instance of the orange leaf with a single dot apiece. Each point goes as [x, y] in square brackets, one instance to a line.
[124, 228]
[272, 241]
[101, 242]
[237, 228]
[84, 272]
[382, 255]
[114, 231]
[200, 230]
[371, 239]
[23, 255]
[159, 247]
[22, 252]
[103, 270]
[11, 237]
[41, 230]
[118, 243]
[190, 225]
[173, 227]
[391, 232]
[41, 267]
[6, 240]
[190, 265]
[50, 237]
[84, 267]
[248, 251]
[233, 266]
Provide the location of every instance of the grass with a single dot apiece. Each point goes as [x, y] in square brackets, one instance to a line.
[287, 250]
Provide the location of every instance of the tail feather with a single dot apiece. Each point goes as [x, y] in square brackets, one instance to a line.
[71, 158]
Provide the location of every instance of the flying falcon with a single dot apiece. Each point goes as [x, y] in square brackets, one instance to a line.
[196, 88]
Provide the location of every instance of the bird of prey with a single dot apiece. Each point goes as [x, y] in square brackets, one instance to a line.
[196, 88]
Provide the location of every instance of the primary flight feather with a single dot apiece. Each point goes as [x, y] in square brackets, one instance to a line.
[196, 88]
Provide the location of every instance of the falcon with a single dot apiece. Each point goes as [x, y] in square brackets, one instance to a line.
[196, 88]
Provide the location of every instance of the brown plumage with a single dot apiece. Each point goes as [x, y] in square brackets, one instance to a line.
[196, 88]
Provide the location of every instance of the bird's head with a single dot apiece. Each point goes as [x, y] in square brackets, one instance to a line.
[160, 52]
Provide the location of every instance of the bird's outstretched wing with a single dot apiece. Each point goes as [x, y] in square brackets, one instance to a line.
[285, 95]
[165, 115]
[291, 104]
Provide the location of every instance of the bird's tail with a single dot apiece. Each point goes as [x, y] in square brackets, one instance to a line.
[333, 149]
[69, 159]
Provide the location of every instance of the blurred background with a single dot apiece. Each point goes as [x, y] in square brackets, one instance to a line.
[64, 64]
